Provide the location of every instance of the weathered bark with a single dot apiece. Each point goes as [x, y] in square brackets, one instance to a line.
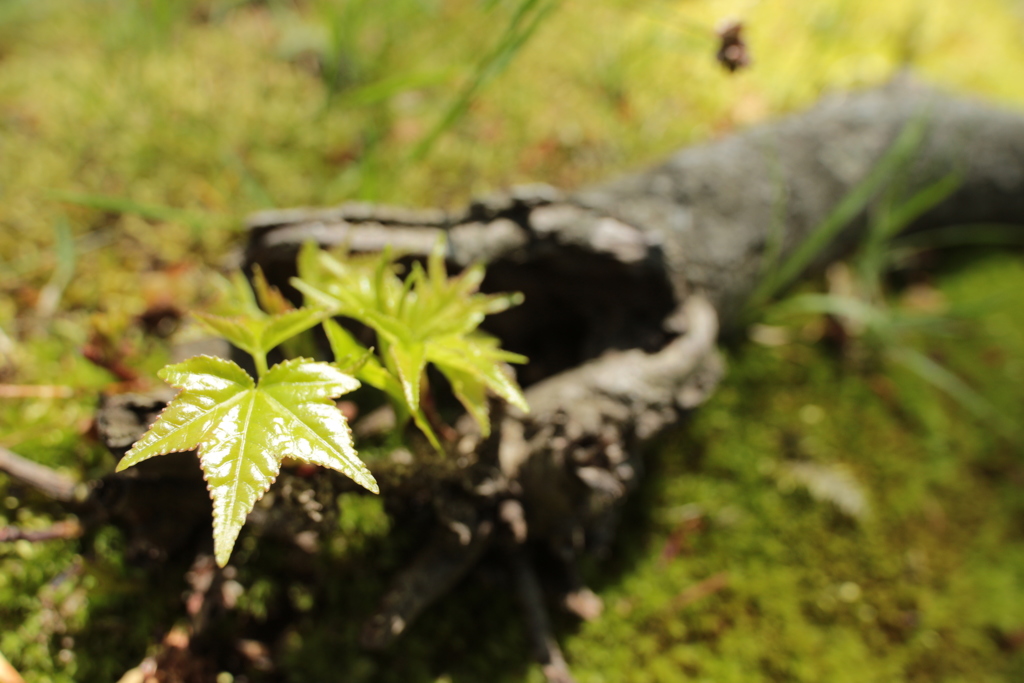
[701, 220]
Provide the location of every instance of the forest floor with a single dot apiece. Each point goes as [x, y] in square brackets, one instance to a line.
[826, 516]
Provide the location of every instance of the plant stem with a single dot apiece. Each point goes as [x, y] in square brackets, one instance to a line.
[261, 364]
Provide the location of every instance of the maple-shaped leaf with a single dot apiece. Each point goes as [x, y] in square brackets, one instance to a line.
[427, 318]
[243, 429]
[473, 364]
[258, 336]
[242, 320]
[360, 361]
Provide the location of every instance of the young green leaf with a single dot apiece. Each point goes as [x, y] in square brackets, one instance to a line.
[270, 298]
[473, 364]
[365, 366]
[257, 335]
[244, 429]
[257, 318]
[427, 318]
[350, 353]
[237, 298]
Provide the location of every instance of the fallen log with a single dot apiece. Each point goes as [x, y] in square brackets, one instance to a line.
[700, 222]
[627, 285]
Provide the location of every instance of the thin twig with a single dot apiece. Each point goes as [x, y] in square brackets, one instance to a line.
[36, 391]
[699, 591]
[61, 530]
[52, 483]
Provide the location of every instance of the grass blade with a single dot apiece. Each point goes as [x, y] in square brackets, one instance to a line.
[121, 205]
[922, 202]
[64, 249]
[855, 201]
[956, 388]
[839, 306]
[969, 234]
[518, 31]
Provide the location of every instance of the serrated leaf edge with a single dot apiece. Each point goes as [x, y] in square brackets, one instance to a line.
[120, 467]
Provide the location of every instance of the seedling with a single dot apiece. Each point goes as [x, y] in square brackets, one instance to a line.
[243, 427]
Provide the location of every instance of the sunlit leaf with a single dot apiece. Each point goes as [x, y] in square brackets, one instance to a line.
[237, 298]
[410, 361]
[472, 364]
[243, 430]
[364, 365]
[259, 335]
[427, 318]
[353, 357]
[472, 393]
[280, 328]
[343, 345]
[269, 297]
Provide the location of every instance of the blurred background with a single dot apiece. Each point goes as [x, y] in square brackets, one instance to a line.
[136, 135]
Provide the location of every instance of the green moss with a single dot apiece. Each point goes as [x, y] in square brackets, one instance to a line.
[929, 586]
[199, 112]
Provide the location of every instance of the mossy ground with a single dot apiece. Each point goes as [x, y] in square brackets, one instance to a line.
[928, 586]
[136, 134]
